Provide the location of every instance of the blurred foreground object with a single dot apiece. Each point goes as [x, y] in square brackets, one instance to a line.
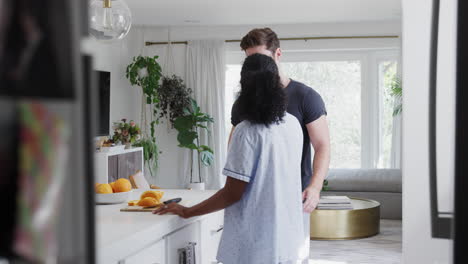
[42, 159]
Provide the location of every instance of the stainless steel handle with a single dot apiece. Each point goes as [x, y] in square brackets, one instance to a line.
[217, 230]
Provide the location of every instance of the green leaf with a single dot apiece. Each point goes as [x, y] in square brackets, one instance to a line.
[187, 111]
[183, 123]
[186, 138]
[205, 148]
[152, 129]
[194, 105]
[205, 118]
[191, 146]
[206, 158]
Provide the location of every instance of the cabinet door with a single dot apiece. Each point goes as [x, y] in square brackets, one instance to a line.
[129, 163]
[211, 230]
[180, 239]
[124, 165]
[154, 254]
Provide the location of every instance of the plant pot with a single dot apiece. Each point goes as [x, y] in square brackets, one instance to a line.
[128, 145]
[197, 186]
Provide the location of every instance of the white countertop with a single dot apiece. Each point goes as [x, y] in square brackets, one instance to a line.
[120, 234]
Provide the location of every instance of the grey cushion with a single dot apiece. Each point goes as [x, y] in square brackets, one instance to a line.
[365, 180]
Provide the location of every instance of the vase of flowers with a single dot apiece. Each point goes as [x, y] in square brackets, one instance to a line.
[126, 133]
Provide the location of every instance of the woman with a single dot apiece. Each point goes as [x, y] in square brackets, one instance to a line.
[262, 195]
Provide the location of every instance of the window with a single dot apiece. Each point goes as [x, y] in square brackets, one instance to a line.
[356, 89]
[232, 88]
[387, 74]
[339, 84]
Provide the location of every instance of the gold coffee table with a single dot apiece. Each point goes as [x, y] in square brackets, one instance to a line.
[361, 221]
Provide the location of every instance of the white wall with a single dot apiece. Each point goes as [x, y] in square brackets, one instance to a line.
[126, 101]
[418, 245]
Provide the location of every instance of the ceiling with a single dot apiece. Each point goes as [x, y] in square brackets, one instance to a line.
[248, 12]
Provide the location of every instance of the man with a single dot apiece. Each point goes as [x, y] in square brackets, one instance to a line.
[308, 107]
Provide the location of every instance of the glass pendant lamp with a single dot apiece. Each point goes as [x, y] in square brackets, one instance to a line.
[109, 19]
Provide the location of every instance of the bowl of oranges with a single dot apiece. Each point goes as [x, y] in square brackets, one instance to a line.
[113, 192]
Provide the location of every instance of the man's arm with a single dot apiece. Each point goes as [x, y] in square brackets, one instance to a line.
[231, 193]
[320, 138]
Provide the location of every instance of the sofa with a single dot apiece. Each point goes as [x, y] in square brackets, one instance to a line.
[382, 185]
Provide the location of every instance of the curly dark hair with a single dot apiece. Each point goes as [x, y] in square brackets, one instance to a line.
[262, 99]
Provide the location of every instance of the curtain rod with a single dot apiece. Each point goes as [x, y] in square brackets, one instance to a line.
[149, 43]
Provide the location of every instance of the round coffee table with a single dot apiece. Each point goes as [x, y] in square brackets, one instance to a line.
[361, 221]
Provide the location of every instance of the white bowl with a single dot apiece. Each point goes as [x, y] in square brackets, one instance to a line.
[112, 198]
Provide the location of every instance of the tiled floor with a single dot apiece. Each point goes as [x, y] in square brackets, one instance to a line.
[384, 248]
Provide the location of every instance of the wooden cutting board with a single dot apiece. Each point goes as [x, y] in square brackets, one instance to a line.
[136, 208]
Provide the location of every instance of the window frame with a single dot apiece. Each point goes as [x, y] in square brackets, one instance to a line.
[371, 96]
[376, 59]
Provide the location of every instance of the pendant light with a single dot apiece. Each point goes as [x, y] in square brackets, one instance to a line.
[109, 19]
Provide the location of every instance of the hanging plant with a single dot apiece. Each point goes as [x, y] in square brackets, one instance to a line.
[187, 126]
[146, 73]
[174, 97]
[150, 153]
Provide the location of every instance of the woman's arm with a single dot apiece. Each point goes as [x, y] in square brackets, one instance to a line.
[231, 193]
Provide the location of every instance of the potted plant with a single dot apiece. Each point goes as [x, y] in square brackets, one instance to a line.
[146, 73]
[188, 126]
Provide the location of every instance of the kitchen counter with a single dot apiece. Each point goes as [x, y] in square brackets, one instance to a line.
[121, 234]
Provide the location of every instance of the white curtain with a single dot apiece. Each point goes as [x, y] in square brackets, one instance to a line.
[205, 73]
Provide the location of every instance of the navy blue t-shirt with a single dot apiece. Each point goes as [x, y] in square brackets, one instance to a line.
[307, 106]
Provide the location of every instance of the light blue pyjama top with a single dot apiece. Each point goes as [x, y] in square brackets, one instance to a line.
[266, 225]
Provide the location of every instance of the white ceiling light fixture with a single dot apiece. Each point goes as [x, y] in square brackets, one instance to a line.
[109, 19]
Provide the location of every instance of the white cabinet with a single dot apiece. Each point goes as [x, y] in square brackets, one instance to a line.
[211, 230]
[143, 238]
[109, 166]
[180, 239]
[154, 254]
[206, 233]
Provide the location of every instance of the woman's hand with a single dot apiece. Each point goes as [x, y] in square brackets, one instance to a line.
[229, 194]
[174, 208]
